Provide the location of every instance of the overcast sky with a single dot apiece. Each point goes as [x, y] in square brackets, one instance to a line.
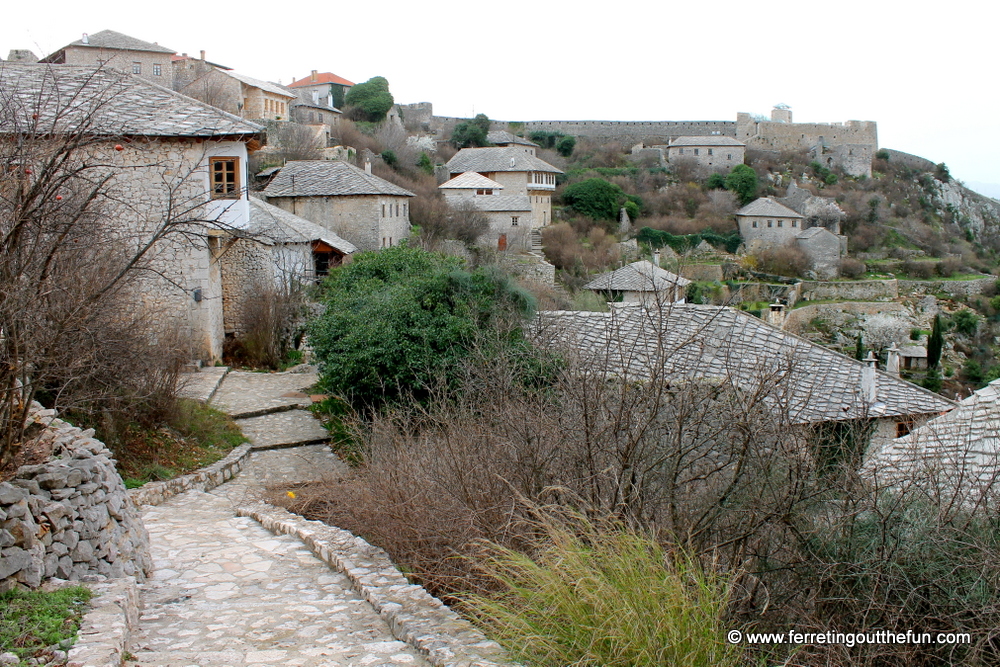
[926, 72]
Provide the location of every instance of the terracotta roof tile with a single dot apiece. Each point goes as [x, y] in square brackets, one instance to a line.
[324, 77]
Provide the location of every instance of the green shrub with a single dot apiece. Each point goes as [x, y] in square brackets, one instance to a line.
[830, 179]
[966, 322]
[742, 181]
[595, 197]
[471, 133]
[882, 154]
[600, 594]
[565, 146]
[933, 379]
[389, 157]
[716, 182]
[399, 321]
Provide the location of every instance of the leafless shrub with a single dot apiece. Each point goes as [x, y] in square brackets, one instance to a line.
[786, 260]
[298, 142]
[272, 316]
[440, 220]
[593, 250]
[949, 266]
[852, 268]
[919, 269]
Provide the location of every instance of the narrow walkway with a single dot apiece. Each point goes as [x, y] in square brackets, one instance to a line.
[228, 592]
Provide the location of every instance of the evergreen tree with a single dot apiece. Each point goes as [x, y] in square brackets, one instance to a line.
[935, 343]
[859, 348]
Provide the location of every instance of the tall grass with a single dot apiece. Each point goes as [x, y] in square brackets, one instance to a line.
[597, 593]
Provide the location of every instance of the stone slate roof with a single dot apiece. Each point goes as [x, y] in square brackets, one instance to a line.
[505, 137]
[470, 180]
[717, 343]
[107, 102]
[813, 231]
[109, 39]
[641, 276]
[498, 203]
[914, 351]
[765, 206]
[329, 178]
[272, 88]
[508, 158]
[964, 444]
[272, 225]
[310, 105]
[708, 140]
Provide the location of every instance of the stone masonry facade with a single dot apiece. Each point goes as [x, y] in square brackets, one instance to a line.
[370, 222]
[70, 517]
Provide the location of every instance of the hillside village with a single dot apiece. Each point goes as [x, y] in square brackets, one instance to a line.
[777, 297]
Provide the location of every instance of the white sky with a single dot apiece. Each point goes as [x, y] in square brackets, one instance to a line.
[925, 71]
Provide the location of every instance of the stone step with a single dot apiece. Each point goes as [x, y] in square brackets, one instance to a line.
[289, 428]
[246, 394]
[202, 384]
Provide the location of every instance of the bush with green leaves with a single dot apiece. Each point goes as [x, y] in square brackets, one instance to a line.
[595, 198]
[424, 163]
[547, 139]
[369, 101]
[683, 242]
[966, 322]
[399, 322]
[565, 146]
[742, 181]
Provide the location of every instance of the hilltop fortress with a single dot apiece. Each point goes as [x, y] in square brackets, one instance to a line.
[850, 146]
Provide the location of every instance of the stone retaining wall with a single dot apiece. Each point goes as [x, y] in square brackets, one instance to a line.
[205, 479]
[886, 290]
[413, 614]
[69, 517]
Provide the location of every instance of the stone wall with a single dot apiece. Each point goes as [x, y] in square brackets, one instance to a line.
[529, 267]
[124, 60]
[701, 272]
[887, 290]
[909, 160]
[952, 287]
[69, 517]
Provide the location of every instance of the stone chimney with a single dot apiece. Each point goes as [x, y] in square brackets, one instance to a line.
[776, 315]
[868, 388]
[624, 224]
[203, 54]
[312, 77]
[656, 257]
[892, 363]
[86, 38]
[368, 166]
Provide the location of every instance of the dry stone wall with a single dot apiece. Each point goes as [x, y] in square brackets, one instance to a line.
[70, 517]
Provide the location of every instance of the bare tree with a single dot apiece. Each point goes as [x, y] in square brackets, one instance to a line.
[79, 252]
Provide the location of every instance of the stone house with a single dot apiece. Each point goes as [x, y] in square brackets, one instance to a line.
[366, 210]
[642, 282]
[173, 162]
[806, 384]
[708, 153]
[241, 95]
[510, 216]
[314, 114]
[322, 89]
[765, 222]
[113, 49]
[519, 172]
[824, 250]
[279, 251]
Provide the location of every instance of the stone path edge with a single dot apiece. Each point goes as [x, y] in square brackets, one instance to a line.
[204, 479]
[106, 629]
[413, 614]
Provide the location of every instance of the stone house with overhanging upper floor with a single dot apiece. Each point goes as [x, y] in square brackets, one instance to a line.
[242, 95]
[510, 217]
[362, 208]
[519, 172]
[506, 139]
[176, 174]
[108, 48]
[806, 386]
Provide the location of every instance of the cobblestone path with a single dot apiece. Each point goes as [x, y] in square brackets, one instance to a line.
[226, 591]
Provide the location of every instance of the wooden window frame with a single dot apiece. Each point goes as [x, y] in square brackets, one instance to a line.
[157, 69]
[232, 190]
[136, 68]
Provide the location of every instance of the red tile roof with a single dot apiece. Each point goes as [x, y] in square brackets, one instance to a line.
[324, 77]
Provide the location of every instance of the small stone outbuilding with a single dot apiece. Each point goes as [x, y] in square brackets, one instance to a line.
[358, 206]
[641, 282]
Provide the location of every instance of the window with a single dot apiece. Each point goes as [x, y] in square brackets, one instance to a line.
[696, 151]
[780, 222]
[769, 223]
[729, 156]
[224, 174]
[682, 151]
[754, 223]
[136, 68]
[383, 210]
[397, 210]
[904, 427]
[513, 221]
[157, 70]
[795, 223]
[710, 152]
